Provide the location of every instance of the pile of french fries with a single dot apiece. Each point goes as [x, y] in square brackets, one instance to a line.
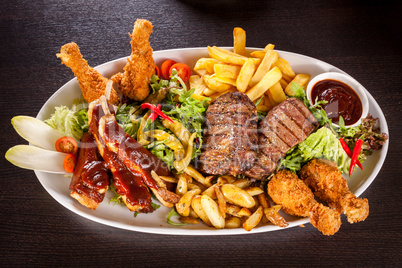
[222, 202]
[259, 74]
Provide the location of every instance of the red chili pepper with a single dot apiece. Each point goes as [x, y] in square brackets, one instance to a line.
[349, 152]
[356, 152]
[155, 110]
[154, 115]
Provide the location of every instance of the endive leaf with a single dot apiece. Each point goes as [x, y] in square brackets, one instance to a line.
[36, 131]
[35, 158]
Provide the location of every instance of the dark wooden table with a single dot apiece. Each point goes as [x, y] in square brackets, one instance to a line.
[360, 37]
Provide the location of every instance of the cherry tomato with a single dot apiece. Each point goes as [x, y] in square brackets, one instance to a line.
[66, 145]
[69, 163]
[165, 67]
[183, 71]
[157, 71]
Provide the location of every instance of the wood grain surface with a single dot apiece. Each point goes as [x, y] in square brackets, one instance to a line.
[360, 37]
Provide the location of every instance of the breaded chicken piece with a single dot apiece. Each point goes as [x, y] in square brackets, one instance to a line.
[140, 66]
[327, 183]
[92, 83]
[287, 190]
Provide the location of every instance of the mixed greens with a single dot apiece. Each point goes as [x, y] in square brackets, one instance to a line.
[324, 143]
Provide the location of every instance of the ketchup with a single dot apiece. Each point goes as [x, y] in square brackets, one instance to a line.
[342, 100]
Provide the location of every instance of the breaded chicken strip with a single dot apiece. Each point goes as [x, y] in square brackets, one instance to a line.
[92, 83]
[140, 66]
[327, 183]
[287, 190]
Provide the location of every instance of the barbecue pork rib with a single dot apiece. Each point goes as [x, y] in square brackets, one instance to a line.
[129, 185]
[231, 135]
[90, 178]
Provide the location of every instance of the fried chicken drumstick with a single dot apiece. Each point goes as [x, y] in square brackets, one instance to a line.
[92, 83]
[287, 190]
[134, 82]
[327, 183]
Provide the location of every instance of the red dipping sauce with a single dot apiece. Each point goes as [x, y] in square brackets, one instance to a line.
[342, 100]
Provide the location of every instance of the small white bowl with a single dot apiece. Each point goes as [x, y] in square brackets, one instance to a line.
[348, 80]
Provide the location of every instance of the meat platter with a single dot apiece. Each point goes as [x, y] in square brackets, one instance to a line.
[57, 185]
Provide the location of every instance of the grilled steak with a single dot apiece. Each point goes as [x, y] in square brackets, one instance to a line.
[285, 126]
[231, 135]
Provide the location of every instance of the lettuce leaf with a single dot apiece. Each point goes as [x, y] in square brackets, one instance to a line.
[72, 122]
[321, 144]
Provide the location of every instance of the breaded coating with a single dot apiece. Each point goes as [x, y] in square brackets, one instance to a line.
[140, 66]
[327, 183]
[287, 190]
[92, 83]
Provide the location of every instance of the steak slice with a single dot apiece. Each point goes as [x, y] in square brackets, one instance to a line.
[285, 126]
[231, 135]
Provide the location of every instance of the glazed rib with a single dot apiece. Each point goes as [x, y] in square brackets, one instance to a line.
[129, 184]
[90, 178]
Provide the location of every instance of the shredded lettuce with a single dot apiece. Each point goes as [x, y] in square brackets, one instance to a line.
[72, 122]
[123, 118]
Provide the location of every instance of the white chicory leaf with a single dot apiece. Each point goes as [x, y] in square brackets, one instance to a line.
[35, 158]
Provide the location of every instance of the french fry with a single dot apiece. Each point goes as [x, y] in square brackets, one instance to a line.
[262, 198]
[199, 85]
[253, 220]
[210, 191]
[254, 191]
[269, 59]
[267, 101]
[285, 67]
[239, 41]
[226, 179]
[269, 79]
[221, 201]
[244, 212]
[169, 179]
[197, 208]
[181, 187]
[183, 206]
[245, 75]
[214, 84]
[283, 83]
[201, 72]
[212, 210]
[226, 80]
[242, 183]
[233, 210]
[229, 57]
[226, 70]
[300, 79]
[273, 216]
[193, 80]
[206, 63]
[188, 220]
[233, 222]
[258, 54]
[237, 196]
[218, 94]
[190, 170]
[209, 92]
[276, 94]
[269, 47]
[192, 186]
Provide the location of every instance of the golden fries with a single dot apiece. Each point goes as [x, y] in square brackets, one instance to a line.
[239, 41]
[265, 77]
[301, 80]
[269, 79]
[263, 72]
[245, 75]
